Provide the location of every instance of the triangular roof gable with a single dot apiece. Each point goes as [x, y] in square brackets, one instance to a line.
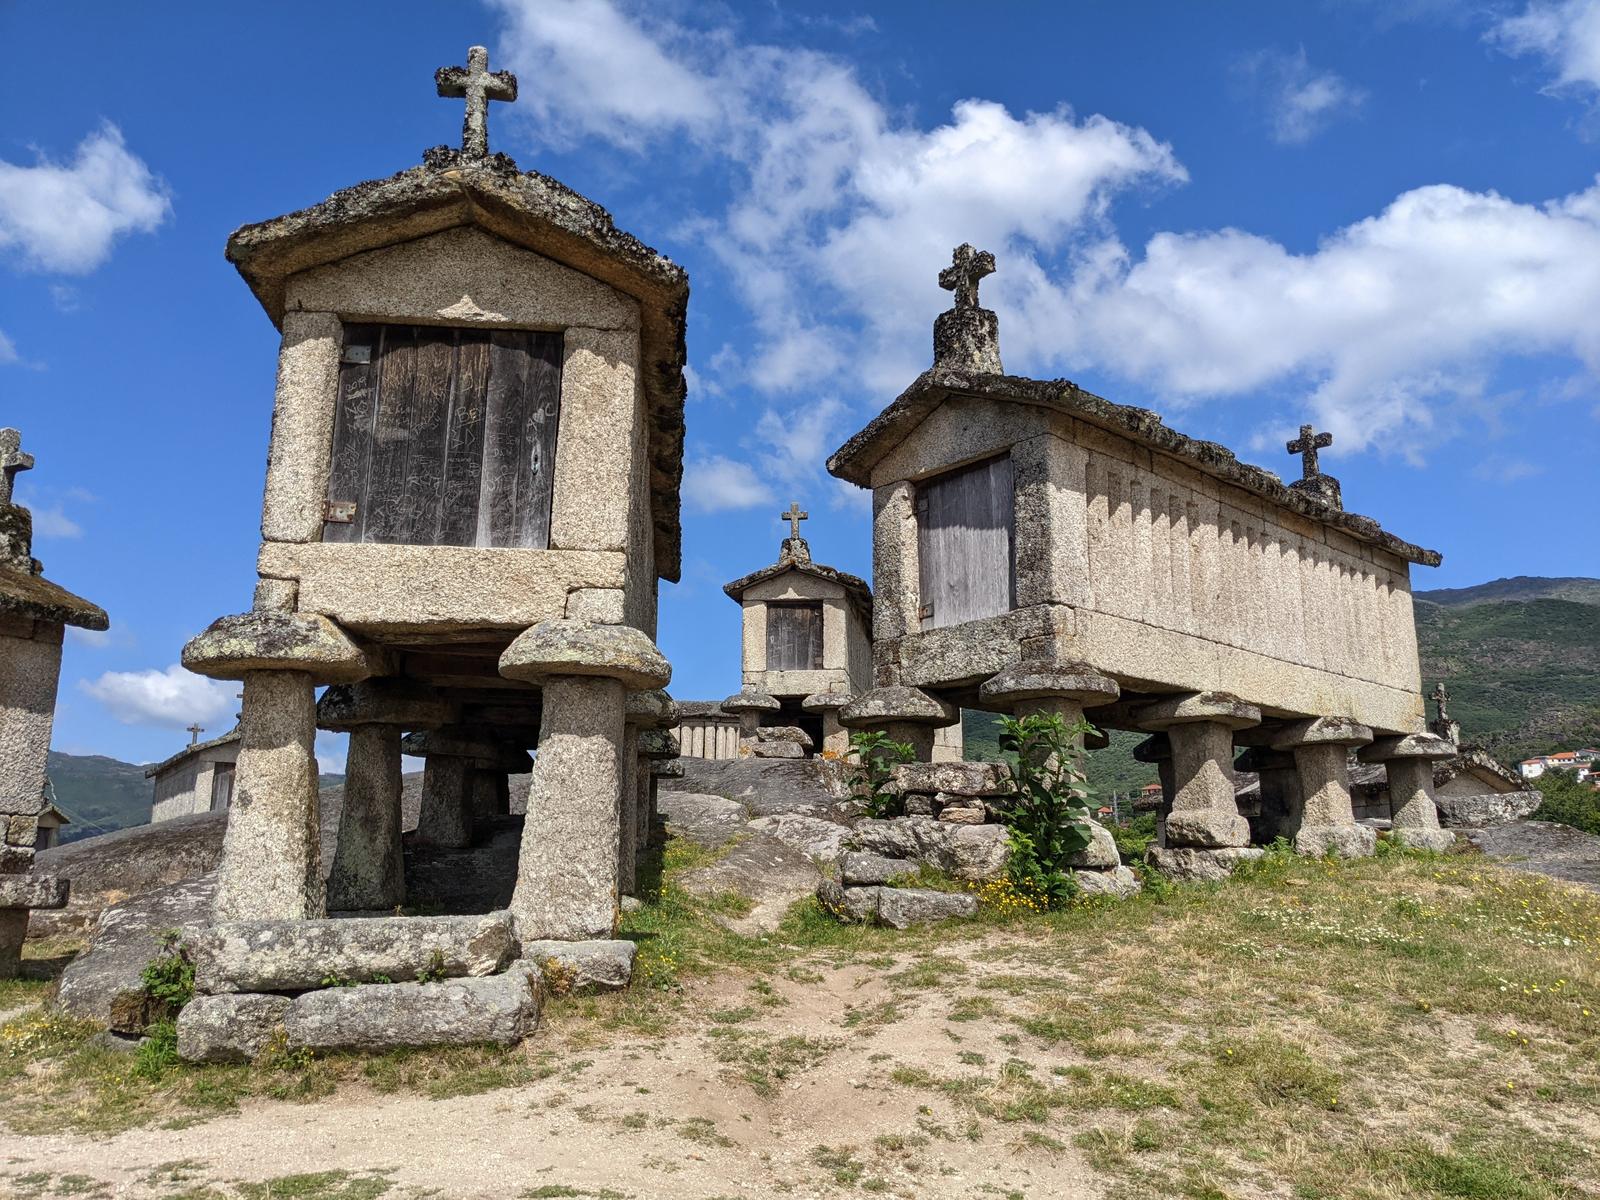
[854, 586]
[854, 461]
[526, 209]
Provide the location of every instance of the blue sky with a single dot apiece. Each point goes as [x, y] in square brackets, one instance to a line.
[1383, 217]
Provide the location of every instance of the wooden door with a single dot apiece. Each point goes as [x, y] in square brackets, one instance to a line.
[794, 637]
[222, 786]
[444, 437]
[964, 536]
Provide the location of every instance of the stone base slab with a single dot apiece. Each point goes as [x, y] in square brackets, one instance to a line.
[500, 1010]
[1347, 841]
[1118, 883]
[33, 891]
[298, 956]
[579, 968]
[899, 908]
[1209, 829]
[1437, 840]
[1191, 863]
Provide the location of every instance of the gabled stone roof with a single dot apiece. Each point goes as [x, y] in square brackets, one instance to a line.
[854, 586]
[165, 765]
[526, 209]
[25, 594]
[854, 460]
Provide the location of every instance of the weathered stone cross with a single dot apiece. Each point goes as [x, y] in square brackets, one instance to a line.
[12, 460]
[967, 267]
[1306, 446]
[477, 85]
[194, 731]
[1441, 697]
[794, 516]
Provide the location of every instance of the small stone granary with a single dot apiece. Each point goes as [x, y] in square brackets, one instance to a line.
[806, 647]
[198, 778]
[34, 614]
[1038, 548]
[471, 492]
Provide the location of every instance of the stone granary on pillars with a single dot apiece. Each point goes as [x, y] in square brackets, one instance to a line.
[197, 779]
[807, 642]
[472, 490]
[34, 614]
[1039, 548]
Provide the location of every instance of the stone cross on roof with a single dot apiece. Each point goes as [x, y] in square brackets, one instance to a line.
[12, 460]
[1441, 697]
[477, 85]
[194, 731]
[794, 516]
[967, 267]
[1306, 446]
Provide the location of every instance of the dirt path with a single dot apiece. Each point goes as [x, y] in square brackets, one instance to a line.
[759, 1094]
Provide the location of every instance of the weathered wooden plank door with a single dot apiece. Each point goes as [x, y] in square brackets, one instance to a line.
[444, 437]
[794, 637]
[222, 786]
[964, 539]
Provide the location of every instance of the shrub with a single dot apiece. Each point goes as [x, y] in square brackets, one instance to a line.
[1568, 801]
[168, 978]
[876, 756]
[1048, 817]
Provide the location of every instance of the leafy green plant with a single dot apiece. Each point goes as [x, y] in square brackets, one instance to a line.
[1048, 817]
[434, 972]
[876, 756]
[168, 978]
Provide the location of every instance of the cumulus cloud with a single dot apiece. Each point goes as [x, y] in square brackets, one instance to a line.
[171, 697]
[64, 217]
[719, 484]
[1301, 100]
[1384, 319]
[1565, 34]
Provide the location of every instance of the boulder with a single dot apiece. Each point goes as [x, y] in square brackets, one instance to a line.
[297, 956]
[1100, 853]
[761, 748]
[1194, 864]
[1207, 827]
[902, 908]
[972, 852]
[1437, 840]
[766, 872]
[32, 891]
[859, 869]
[812, 836]
[220, 1029]
[963, 812]
[499, 1010]
[709, 821]
[1347, 841]
[785, 733]
[919, 805]
[1543, 847]
[104, 984]
[853, 905]
[579, 968]
[765, 786]
[1484, 811]
[956, 778]
[1119, 883]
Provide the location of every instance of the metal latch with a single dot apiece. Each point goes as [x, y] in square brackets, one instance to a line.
[356, 354]
[339, 512]
[925, 612]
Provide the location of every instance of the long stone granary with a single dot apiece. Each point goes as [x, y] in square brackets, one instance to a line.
[1038, 546]
[472, 490]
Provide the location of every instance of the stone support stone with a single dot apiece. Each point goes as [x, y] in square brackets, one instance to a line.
[748, 705]
[271, 856]
[1037, 688]
[628, 821]
[1409, 763]
[368, 865]
[567, 873]
[13, 932]
[1200, 726]
[1321, 748]
[1282, 804]
[1157, 750]
[905, 714]
[446, 815]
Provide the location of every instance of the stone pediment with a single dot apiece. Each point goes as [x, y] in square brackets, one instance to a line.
[525, 209]
[855, 460]
[850, 585]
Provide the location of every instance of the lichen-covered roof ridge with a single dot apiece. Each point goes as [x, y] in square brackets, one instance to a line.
[527, 209]
[854, 586]
[854, 460]
[25, 594]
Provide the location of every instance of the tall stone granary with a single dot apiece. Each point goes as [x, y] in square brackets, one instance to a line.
[472, 490]
[1040, 549]
[34, 615]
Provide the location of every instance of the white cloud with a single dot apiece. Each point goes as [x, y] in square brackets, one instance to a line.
[51, 522]
[1301, 100]
[94, 639]
[718, 484]
[1385, 320]
[1565, 33]
[172, 697]
[64, 217]
[1506, 470]
[8, 351]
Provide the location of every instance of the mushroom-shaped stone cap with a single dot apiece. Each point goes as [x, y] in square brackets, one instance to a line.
[1322, 731]
[382, 702]
[480, 751]
[652, 710]
[1411, 745]
[1050, 681]
[564, 647]
[1154, 749]
[271, 640]
[905, 704]
[658, 744]
[823, 702]
[750, 700]
[1223, 708]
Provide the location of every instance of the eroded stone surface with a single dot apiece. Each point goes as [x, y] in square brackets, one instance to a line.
[267, 640]
[710, 821]
[222, 1029]
[861, 869]
[1192, 863]
[1480, 812]
[578, 968]
[902, 908]
[1347, 841]
[974, 852]
[566, 647]
[1119, 883]
[812, 836]
[956, 778]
